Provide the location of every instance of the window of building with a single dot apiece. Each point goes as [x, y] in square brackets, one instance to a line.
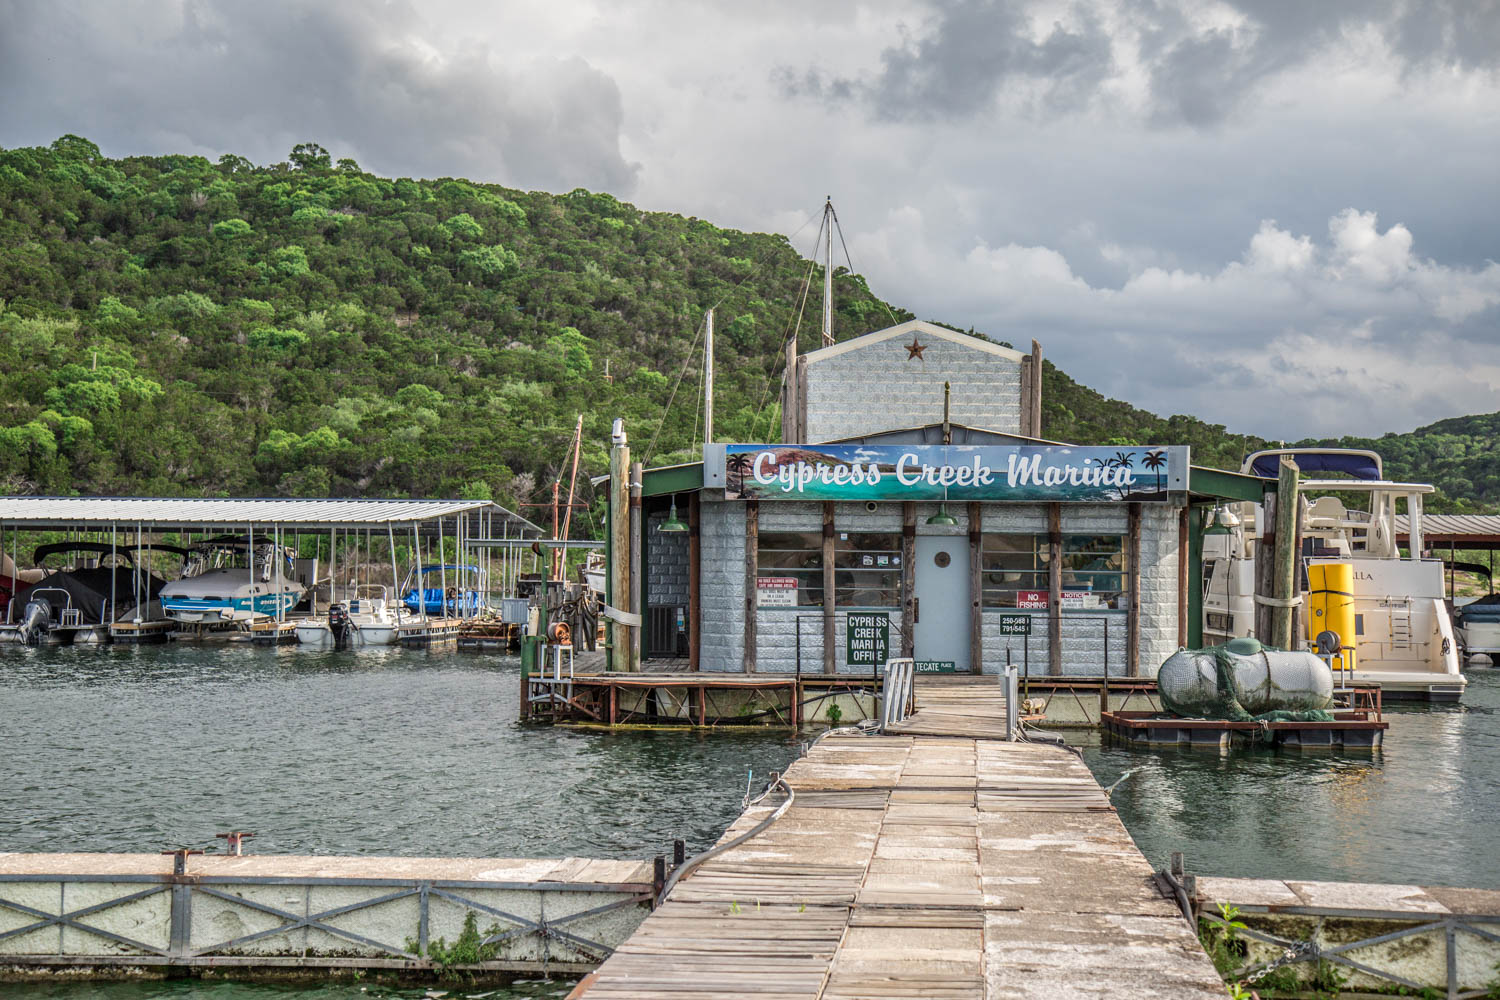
[790, 569]
[867, 569]
[1014, 571]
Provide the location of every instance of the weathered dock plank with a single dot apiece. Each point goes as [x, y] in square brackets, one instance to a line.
[939, 862]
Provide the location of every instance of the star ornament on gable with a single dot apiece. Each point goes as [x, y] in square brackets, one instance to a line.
[914, 350]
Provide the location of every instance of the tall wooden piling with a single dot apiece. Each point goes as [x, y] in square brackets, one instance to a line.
[1284, 583]
[619, 545]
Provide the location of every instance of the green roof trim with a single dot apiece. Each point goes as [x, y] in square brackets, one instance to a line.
[672, 479]
[1221, 485]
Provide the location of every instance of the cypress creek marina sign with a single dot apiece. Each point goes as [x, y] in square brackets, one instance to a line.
[946, 472]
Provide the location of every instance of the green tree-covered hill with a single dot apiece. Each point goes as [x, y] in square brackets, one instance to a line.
[171, 325]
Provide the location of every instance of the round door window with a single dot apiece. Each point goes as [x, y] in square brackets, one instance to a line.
[942, 559]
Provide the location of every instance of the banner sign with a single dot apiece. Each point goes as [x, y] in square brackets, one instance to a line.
[945, 472]
[867, 639]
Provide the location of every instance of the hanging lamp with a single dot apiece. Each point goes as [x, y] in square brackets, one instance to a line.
[672, 523]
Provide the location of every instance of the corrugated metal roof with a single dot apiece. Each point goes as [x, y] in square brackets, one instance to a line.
[1457, 525]
[193, 512]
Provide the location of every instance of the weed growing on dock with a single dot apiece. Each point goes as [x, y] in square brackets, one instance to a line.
[1221, 939]
[467, 949]
[835, 714]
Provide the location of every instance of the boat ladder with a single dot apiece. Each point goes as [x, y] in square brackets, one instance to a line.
[1401, 636]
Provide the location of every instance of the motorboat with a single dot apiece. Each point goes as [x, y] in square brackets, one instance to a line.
[1477, 626]
[368, 618]
[1396, 631]
[76, 602]
[234, 583]
[437, 601]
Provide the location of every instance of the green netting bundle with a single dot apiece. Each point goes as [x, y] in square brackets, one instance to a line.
[1243, 681]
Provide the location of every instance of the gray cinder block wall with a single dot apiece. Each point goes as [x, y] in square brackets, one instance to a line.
[721, 581]
[667, 572]
[842, 381]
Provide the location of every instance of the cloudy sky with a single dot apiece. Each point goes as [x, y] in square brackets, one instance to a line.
[1278, 215]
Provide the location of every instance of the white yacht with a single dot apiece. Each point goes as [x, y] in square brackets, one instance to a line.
[225, 589]
[1403, 639]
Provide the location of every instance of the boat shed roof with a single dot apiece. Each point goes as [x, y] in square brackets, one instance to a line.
[1465, 531]
[185, 513]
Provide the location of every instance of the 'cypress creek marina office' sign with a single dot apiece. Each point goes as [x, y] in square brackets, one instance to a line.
[951, 472]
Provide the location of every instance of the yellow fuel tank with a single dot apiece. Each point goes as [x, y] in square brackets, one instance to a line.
[1330, 604]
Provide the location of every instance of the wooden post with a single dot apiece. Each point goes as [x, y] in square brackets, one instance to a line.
[619, 545]
[829, 662]
[695, 582]
[1184, 546]
[752, 558]
[976, 591]
[636, 605]
[1133, 589]
[801, 400]
[789, 398]
[908, 576]
[1036, 389]
[1024, 417]
[1054, 589]
[1284, 583]
[1264, 569]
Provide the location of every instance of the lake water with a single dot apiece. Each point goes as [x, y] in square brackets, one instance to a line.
[415, 753]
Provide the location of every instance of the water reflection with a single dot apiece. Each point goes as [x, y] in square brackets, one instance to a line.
[380, 751]
[1419, 811]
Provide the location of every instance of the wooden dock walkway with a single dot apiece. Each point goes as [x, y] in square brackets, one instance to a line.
[939, 863]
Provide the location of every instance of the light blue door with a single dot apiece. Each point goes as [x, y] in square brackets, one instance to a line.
[942, 630]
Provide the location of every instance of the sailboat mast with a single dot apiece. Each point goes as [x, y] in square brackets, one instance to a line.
[828, 272]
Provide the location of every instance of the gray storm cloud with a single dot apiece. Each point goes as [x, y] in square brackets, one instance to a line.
[257, 78]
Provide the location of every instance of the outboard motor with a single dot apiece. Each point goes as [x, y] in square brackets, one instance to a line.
[339, 625]
[35, 619]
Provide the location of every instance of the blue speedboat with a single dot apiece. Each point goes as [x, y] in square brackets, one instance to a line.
[437, 601]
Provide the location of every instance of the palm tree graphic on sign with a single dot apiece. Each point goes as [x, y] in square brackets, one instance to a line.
[1156, 460]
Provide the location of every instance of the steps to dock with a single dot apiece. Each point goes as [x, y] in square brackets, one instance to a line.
[937, 863]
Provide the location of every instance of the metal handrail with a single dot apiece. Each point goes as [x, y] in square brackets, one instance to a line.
[896, 698]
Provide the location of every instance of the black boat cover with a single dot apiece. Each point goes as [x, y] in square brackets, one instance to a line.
[89, 590]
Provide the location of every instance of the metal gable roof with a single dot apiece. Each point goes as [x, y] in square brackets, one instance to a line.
[192, 512]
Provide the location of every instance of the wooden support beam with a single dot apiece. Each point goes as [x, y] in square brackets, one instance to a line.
[695, 582]
[829, 665]
[1025, 415]
[908, 576]
[1133, 585]
[1036, 388]
[976, 591]
[752, 558]
[1054, 589]
[1184, 547]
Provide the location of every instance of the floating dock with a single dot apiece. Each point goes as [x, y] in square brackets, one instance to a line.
[1360, 729]
[704, 698]
[145, 915]
[1421, 940]
[937, 862]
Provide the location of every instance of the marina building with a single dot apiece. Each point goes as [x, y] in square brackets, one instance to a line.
[914, 508]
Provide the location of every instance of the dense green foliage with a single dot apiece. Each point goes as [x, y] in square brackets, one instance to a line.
[173, 326]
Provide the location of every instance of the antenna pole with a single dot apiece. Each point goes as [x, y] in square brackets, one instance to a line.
[828, 271]
[708, 378]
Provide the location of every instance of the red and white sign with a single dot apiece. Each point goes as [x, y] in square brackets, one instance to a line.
[1037, 599]
[776, 591]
